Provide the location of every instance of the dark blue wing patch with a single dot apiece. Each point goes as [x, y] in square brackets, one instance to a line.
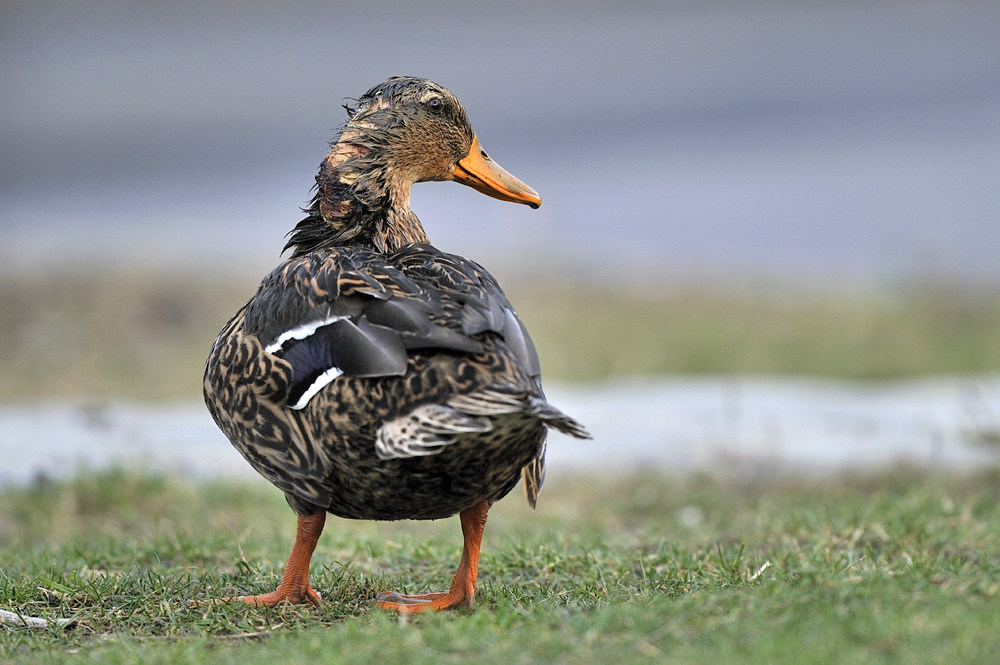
[356, 349]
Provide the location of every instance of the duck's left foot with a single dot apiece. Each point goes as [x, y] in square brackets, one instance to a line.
[463, 586]
[424, 602]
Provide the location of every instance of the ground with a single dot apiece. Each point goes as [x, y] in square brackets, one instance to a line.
[900, 567]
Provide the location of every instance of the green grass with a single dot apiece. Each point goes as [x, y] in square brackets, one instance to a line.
[896, 568]
[145, 336]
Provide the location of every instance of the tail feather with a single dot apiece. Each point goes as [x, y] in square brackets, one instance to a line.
[533, 476]
[556, 419]
[500, 400]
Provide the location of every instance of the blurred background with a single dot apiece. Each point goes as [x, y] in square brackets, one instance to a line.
[817, 141]
[731, 189]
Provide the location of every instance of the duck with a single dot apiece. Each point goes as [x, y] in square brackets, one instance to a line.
[373, 376]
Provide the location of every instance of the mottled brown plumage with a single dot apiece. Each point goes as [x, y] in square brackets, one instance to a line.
[373, 376]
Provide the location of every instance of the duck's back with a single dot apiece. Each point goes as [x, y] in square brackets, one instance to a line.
[383, 386]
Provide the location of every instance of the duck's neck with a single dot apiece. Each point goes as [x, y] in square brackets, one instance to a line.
[358, 202]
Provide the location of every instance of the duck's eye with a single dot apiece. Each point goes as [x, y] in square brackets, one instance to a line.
[435, 104]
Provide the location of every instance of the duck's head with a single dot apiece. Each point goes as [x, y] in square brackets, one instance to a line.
[420, 132]
[403, 131]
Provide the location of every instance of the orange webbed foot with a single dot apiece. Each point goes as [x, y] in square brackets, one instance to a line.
[424, 602]
[463, 586]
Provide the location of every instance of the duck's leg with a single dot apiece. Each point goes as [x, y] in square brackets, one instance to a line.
[294, 588]
[463, 586]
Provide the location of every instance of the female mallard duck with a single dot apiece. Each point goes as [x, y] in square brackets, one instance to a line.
[374, 376]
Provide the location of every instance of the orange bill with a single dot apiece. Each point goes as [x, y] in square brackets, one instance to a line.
[484, 175]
